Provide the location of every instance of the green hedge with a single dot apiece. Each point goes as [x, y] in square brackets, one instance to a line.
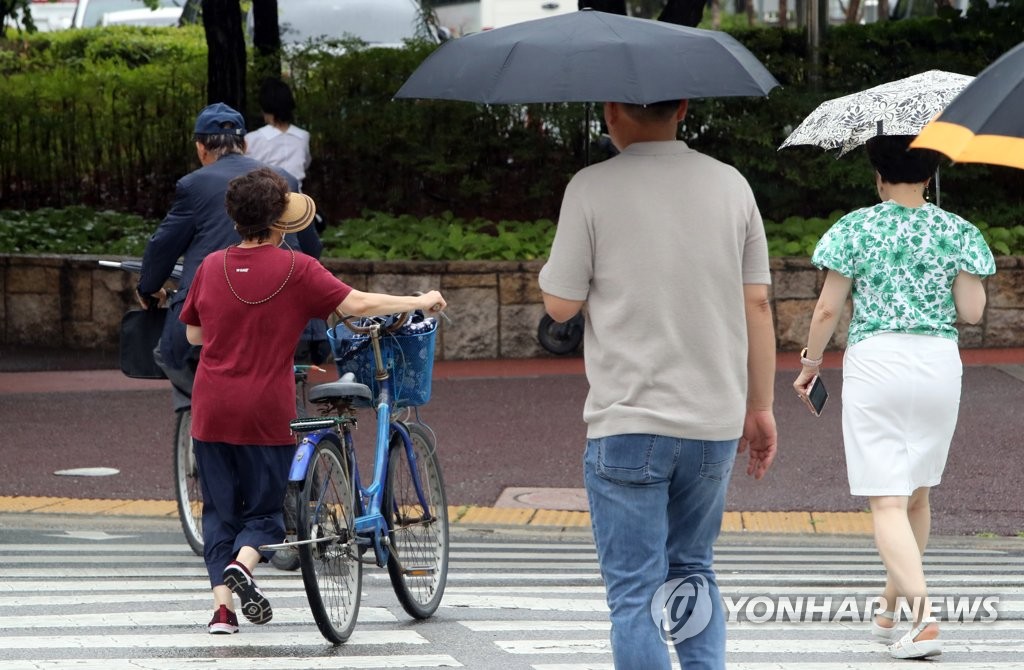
[379, 236]
[103, 117]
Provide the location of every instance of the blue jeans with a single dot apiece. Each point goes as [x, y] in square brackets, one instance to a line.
[656, 507]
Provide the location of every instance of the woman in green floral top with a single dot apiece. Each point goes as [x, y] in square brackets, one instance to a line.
[913, 269]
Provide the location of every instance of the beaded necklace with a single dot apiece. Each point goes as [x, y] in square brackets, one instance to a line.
[257, 302]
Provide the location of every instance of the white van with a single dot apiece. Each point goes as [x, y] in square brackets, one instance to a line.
[90, 13]
[463, 17]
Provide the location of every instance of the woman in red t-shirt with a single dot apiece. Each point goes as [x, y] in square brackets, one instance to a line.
[247, 307]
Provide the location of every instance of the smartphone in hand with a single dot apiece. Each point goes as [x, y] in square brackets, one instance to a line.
[816, 396]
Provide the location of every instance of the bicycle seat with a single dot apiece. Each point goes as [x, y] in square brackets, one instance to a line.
[345, 387]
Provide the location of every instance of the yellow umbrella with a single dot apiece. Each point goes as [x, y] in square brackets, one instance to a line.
[985, 123]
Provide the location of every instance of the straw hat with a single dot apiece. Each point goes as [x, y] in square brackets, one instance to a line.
[298, 214]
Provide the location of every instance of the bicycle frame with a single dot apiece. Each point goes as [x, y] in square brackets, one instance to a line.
[371, 526]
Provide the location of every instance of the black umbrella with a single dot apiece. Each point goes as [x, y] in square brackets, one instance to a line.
[589, 56]
[985, 123]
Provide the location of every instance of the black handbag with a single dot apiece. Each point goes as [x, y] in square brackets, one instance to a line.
[140, 333]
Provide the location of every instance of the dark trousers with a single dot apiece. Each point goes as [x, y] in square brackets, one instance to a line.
[243, 490]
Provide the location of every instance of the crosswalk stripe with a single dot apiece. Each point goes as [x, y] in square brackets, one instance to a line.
[293, 615]
[762, 647]
[200, 639]
[44, 550]
[496, 601]
[240, 663]
[794, 552]
[523, 587]
[539, 625]
[867, 664]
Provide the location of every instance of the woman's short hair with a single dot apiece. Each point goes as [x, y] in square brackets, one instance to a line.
[892, 158]
[276, 98]
[255, 201]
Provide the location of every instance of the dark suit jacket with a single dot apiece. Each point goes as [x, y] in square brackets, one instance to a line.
[197, 225]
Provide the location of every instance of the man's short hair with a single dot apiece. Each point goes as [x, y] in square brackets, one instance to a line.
[276, 98]
[652, 112]
[222, 144]
[255, 201]
[892, 158]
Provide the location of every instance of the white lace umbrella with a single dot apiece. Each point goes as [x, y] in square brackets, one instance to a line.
[901, 107]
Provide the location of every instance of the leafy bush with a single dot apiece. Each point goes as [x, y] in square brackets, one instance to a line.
[797, 236]
[102, 117]
[75, 230]
[378, 236]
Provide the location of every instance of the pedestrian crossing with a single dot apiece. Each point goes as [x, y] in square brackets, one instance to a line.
[142, 603]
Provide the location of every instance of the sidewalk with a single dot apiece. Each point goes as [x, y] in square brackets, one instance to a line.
[542, 504]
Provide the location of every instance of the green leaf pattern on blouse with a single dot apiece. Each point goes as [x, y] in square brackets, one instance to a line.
[903, 261]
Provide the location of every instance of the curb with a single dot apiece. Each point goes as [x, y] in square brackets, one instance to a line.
[804, 523]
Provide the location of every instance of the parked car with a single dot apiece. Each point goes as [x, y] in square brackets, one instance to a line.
[161, 16]
[379, 23]
[48, 16]
[89, 13]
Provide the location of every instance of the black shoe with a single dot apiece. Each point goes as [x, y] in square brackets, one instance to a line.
[255, 606]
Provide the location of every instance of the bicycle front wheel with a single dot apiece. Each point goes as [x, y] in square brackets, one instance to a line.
[187, 489]
[416, 509]
[331, 571]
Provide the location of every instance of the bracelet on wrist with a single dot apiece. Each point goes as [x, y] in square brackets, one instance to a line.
[809, 362]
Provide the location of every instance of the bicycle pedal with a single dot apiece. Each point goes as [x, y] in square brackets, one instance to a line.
[312, 423]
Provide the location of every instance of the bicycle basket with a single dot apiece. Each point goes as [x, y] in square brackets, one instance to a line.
[408, 354]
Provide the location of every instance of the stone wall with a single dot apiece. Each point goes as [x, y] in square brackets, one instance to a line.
[72, 302]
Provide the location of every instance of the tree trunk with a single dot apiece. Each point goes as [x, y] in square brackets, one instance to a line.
[610, 6]
[853, 12]
[683, 12]
[266, 38]
[225, 60]
[883, 10]
[783, 14]
[716, 14]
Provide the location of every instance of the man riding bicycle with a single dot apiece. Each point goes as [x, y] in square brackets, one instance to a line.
[197, 225]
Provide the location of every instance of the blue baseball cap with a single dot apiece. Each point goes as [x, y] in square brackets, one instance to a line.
[219, 119]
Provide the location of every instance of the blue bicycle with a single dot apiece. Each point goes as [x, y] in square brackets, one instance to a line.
[400, 520]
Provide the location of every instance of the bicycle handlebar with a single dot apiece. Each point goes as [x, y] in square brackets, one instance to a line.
[402, 317]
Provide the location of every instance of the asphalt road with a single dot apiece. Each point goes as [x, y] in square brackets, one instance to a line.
[523, 431]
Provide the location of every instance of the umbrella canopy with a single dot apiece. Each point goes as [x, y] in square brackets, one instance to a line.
[589, 56]
[901, 107]
[985, 123]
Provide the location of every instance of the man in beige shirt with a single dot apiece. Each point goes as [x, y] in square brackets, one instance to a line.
[666, 248]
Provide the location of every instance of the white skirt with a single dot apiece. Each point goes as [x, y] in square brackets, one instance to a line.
[901, 396]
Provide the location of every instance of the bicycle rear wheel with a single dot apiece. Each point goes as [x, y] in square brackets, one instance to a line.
[331, 571]
[418, 534]
[187, 489]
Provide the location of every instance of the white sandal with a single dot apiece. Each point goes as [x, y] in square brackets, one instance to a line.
[907, 647]
[884, 634]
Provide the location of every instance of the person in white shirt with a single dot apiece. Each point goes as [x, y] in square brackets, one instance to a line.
[280, 142]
